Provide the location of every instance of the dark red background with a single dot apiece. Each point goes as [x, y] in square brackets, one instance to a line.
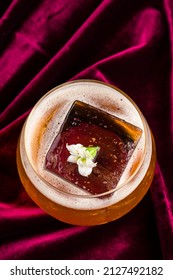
[126, 43]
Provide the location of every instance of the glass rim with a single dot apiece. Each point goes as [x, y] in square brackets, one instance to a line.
[118, 187]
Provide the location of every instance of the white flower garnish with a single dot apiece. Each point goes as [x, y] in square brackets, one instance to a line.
[83, 156]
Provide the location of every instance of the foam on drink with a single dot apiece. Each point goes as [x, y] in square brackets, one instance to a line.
[43, 125]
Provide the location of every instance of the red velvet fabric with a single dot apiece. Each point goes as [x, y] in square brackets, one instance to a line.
[126, 43]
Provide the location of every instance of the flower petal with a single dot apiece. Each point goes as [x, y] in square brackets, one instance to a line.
[84, 170]
[74, 149]
[72, 159]
[90, 163]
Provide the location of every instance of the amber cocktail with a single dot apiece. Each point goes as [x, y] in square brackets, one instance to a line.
[86, 154]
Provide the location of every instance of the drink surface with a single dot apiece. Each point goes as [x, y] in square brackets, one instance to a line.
[44, 124]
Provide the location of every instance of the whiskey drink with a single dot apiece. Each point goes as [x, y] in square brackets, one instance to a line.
[92, 114]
